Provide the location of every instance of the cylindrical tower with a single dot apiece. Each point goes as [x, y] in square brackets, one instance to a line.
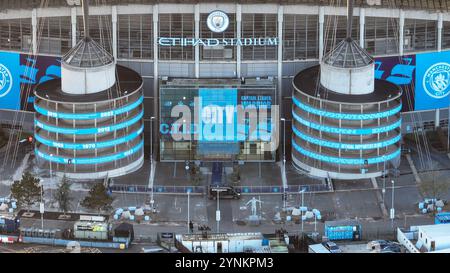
[346, 124]
[89, 123]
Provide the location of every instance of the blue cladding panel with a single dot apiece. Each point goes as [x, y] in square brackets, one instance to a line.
[9, 81]
[432, 80]
[337, 145]
[85, 146]
[335, 115]
[347, 131]
[89, 161]
[345, 161]
[87, 131]
[87, 116]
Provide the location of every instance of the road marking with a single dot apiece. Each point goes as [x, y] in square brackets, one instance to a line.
[413, 168]
[379, 197]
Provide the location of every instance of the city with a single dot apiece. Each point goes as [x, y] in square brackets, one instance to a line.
[145, 126]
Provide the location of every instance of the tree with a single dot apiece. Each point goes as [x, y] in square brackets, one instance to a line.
[195, 175]
[98, 198]
[62, 195]
[27, 191]
[236, 175]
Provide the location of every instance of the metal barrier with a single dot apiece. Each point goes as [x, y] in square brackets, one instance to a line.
[158, 189]
[279, 189]
[292, 189]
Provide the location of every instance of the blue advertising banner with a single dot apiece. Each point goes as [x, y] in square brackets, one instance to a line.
[217, 121]
[432, 80]
[9, 81]
[218, 116]
[19, 73]
[401, 71]
[35, 70]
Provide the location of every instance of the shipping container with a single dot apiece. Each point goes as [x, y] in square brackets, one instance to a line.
[61, 242]
[91, 230]
[343, 230]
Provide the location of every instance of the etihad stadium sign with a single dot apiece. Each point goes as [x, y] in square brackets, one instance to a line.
[218, 22]
[170, 41]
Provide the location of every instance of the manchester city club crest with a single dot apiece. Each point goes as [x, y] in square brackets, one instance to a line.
[436, 81]
[6, 81]
[218, 21]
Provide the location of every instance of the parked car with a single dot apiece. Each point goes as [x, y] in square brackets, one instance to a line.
[152, 250]
[332, 247]
[384, 246]
[225, 192]
[394, 248]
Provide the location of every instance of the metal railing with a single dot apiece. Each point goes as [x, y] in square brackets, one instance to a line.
[292, 189]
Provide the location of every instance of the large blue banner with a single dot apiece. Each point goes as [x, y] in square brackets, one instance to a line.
[33, 71]
[20, 73]
[401, 71]
[218, 116]
[217, 121]
[432, 80]
[9, 80]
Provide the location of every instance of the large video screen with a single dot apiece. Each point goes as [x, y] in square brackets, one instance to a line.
[219, 115]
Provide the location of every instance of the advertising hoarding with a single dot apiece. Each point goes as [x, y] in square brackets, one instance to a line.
[9, 81]
[400, 71]
[432, 80]
[19, 73]
[35, 70]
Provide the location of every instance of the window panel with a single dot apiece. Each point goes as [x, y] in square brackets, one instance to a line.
[176, 25]
[54, 35]
[259, 26]
[420, 35]
[135, 37]
[335, 30]
[15, 34]
[381, 35]
[446, 35]
[100, 30]
[300, 37]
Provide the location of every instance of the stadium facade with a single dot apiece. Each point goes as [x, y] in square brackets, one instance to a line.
[264, 44]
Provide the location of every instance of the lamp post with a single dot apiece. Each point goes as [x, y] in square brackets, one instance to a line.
[51, 176]
[218, 212]
[392, 212]
[384, 178]
[41, 204]
[151, 139]
[284, 139]
[302, 192]
[217, 190]
[188, 210]
[152, 201]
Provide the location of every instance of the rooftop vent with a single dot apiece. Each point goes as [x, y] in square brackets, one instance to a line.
[348, 54]
[87, 53]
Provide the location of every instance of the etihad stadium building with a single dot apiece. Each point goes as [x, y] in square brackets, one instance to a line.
[242, 51]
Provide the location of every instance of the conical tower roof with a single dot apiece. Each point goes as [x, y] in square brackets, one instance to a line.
[348, 54]
[87, 53]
